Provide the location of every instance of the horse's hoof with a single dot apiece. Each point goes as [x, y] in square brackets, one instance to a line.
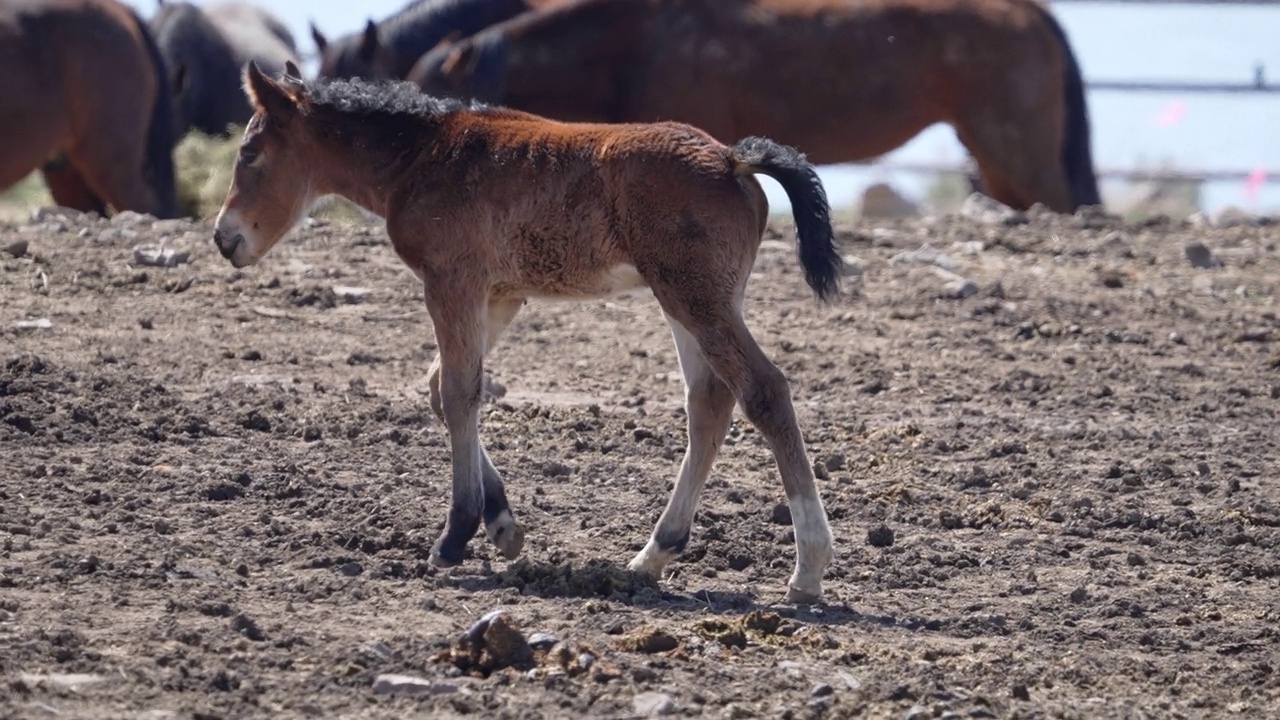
[649, 561]
[506, 535]
[797, 596]
[443, 560]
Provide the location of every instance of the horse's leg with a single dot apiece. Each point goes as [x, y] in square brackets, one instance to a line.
[710, 408]
[1020, 158]
[69, 189]
[500, 525]
[762, 391]
[458, 314]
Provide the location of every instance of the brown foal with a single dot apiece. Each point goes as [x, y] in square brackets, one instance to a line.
[490, 207]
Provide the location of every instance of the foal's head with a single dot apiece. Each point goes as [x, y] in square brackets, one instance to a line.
[273, 185]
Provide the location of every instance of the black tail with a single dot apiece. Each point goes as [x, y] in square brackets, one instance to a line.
[817, 248]
[158, 163]
[1077, 155]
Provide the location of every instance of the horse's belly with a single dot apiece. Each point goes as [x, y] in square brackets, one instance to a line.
[619, 279]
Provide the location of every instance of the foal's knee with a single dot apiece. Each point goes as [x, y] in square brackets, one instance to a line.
[459, 399]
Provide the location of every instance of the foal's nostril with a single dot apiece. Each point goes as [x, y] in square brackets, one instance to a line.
[227, 245]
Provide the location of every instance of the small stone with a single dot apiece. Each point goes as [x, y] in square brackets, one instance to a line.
[880, 536]
[959, 289]
[852, 265]
[66, 680]
[917, 712]
[350, 569]
[37, 324]
[1020, 692]
[16, 249]
[156, 256]
[1177, 339]
[392, 684]
[146, 323]
[1079, 595]
[1135, 560]
[542, 641]
[821, 690]
[926, 254]
[651, 704]
[351, 295]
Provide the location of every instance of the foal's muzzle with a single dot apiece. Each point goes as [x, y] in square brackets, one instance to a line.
[227, 244]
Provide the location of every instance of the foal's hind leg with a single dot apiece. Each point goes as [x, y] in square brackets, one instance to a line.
[765, 398]
[499, 523]
[710, 408]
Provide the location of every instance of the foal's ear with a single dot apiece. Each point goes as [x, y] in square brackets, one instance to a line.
[291, 71]
[268, 95]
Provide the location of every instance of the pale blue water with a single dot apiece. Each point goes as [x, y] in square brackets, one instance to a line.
[1111, 41]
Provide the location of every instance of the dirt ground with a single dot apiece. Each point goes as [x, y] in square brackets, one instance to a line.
[1051, 477]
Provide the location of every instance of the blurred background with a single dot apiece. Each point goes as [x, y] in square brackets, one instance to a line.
[1208, 117]
[1209, 41]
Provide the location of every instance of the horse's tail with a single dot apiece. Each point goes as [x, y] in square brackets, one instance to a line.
[161, 139]
[817, 248]
[1077, 155]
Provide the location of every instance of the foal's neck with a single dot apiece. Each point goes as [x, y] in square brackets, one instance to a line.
[368, 164]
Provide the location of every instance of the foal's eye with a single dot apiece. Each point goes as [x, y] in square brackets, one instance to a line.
[248, 155]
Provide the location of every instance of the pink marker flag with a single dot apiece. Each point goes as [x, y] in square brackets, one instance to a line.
[1253, 185]
[1173, 114]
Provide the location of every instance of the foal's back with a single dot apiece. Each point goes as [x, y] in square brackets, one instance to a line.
[587, 210]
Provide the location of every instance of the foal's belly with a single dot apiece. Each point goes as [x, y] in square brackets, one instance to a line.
[618, 279]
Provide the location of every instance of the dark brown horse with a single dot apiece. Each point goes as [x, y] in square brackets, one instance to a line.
[842, 80]
[84, 94]
[206, 48]
[389, 48]
[490, 207]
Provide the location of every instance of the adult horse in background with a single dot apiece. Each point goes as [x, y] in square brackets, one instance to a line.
[841, 80]
[84, 96]
[389, 48]
[205, 48]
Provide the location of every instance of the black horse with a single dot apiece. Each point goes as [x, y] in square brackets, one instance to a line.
[388, 49]
[206, 52]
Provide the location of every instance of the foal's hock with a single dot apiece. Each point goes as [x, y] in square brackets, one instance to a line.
[491, 207]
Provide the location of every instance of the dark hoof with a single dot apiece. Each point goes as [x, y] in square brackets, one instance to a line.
[443, 555]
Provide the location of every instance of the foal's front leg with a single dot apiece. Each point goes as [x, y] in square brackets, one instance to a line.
[460, 333]
[499, 522]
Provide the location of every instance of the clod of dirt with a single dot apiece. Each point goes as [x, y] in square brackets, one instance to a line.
[781, 514]
[493, 642]
[16, 249]
[248, 627]
[648, 639]
[596, 578]
[1199, 255]
[880, 536]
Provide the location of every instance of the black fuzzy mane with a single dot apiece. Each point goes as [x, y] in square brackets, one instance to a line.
[381, 98]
